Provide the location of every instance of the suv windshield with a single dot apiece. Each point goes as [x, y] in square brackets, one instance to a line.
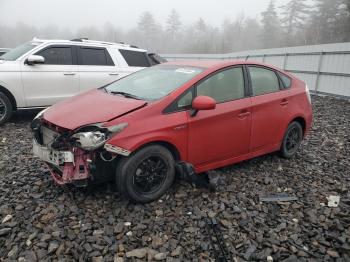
[154, 82]
[13, 54]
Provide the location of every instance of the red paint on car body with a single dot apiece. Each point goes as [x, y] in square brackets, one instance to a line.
[232, 132]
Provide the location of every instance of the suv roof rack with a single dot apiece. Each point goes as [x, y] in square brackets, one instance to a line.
[79, 39]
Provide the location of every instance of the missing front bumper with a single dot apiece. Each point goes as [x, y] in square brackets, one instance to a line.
[66, 167]
[54, 157]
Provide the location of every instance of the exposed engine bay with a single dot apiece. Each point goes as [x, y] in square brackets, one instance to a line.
[76, 156]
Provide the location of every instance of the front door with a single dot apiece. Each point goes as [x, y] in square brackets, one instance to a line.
[224, 132]
[55, 80]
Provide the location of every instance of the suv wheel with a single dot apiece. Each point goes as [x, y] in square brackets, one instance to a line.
[146, 175]
[292, 140]
[6, 108]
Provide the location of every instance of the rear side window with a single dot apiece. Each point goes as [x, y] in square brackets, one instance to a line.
[57, 55]
[287, 82]
[135, 58]
[224, 86]
[95, 56]
[264, 81]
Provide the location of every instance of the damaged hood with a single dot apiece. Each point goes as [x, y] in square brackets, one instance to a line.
[91, 107]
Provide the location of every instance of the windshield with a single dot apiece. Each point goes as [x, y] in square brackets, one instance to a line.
[13, 54]
[154, 82]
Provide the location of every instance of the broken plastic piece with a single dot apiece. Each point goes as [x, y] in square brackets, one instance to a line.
[278, 198]
[333, 201]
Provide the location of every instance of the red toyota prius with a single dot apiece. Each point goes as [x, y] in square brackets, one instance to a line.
[179, 117]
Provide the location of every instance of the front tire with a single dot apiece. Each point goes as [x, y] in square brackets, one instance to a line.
[292, 140]
[6, 108]
[146, 175]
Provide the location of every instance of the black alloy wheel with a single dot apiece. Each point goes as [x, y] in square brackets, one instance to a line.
[292, 140]
[150, 175]
[146, 175]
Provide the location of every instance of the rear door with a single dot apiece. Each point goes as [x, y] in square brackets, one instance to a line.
[55, 80]
[96, 67]
[224, 132]
[270, 107]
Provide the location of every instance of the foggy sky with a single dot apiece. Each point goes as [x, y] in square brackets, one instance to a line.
[124, 14]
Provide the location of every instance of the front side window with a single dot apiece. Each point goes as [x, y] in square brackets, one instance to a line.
[57, 55]
[16, 53]
[154, 82]
[264, 81]
[95, 56]
[186, 100]
[224, 86]
[135, 58]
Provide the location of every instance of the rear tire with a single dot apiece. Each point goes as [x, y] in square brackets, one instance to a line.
[291, 140]
[6, 108]
[146, 175]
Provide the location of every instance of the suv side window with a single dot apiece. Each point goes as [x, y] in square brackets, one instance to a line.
[264, 81]
[95, 56]
[57, 55]
[224, 86]
[135, 58]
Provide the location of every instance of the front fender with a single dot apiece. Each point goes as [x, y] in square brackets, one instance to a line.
[176, 138]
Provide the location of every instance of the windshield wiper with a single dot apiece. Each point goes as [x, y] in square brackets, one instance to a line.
[125, 95]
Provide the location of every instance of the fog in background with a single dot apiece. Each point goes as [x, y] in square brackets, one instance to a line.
[180, 26]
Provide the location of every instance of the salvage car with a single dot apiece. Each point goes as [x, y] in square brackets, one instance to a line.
[41, 72]
[185, 117]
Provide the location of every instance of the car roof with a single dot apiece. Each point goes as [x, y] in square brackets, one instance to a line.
[216, 64]
[83, 41]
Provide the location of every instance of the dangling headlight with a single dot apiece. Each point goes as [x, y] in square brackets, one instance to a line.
[91, 140]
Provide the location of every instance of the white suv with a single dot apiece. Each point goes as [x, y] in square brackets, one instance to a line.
[42, 72]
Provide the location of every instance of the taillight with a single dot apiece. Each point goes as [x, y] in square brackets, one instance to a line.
[307, 91]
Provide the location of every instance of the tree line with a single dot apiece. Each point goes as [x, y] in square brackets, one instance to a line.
[298, 22]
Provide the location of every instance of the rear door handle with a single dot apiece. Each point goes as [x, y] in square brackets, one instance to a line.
[244, 113]
[69, 74]
[284, 102]
[113, 74]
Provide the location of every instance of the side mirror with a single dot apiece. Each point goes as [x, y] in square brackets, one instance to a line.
[202, 103]
[35, 59]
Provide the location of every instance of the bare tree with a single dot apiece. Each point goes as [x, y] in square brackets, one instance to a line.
[324, 21]
[173, 23]
[294, 18]
[271, 27]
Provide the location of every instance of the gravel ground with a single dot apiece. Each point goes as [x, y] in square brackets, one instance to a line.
[40, 221]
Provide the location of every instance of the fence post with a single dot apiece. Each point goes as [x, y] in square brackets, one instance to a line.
[320, 60]
[264, 57]
[285, 61]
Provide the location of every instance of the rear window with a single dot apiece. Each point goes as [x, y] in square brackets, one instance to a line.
[95, 56]
[264, 81]
[287, 82]
[135, 58]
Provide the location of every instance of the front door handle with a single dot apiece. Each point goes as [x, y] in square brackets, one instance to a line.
[113, 74]
[284, 102]
[69, 74]
[243, 114]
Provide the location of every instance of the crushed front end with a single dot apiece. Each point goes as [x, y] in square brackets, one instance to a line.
[75, 156]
